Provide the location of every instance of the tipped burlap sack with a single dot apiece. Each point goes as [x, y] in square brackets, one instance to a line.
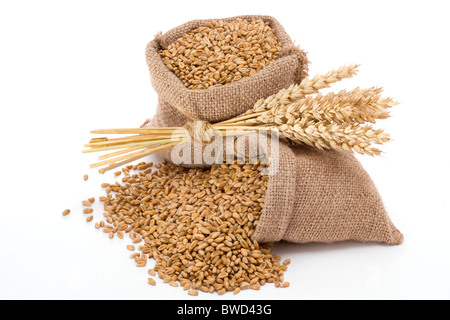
[323, 196]
[315, 196]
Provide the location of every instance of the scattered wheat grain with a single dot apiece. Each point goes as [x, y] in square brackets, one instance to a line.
[193, 292]
[86, 203]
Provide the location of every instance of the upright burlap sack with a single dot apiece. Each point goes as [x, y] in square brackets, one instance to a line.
[315, 196]
[220, 103]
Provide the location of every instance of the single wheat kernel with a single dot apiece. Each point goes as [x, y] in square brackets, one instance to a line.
[85, 177]
[151, 281]
[66, 212]
[130, 247]
[141, 264]
[89, 219]
[285, 284]
[91, 200]
[117, 173]
[193, 292]
[222, 291]
[255, 286]
[86, 203]
[88, 210]
[287, 262]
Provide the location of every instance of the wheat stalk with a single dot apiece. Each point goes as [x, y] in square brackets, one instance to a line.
[331, 121]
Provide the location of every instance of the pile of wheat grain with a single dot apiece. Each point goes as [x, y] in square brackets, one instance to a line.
[221, 52]
[196, 224]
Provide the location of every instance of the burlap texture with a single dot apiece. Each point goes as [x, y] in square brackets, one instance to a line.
[220, 103]
[323, 196]
[316, 196]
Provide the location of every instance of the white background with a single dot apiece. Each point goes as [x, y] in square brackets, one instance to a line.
[67, 67]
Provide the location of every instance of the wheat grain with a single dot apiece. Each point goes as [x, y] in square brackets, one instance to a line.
[200, 241]
[221, 52]
[86, 203]
[193, 292]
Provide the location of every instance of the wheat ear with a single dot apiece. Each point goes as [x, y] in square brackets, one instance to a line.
[308, 86]
[295, 92]
[355, 106]
[345, 137]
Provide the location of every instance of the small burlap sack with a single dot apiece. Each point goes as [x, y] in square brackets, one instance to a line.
[315, 196]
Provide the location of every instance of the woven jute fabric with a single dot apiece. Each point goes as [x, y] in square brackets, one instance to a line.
[220, 103]
[323, 196]
[315, 196]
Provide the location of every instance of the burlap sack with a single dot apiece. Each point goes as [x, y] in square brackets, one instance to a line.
[323, 196]
[316, 196]
[220, 103]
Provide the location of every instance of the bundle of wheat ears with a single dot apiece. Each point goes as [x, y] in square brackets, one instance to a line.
[298, 115]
